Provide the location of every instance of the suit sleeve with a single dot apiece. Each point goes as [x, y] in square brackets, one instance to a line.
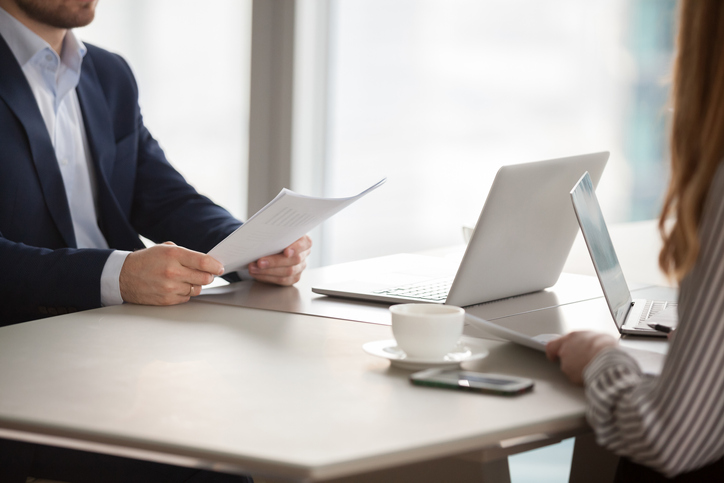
[40, 282]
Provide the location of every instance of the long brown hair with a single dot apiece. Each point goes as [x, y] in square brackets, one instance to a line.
[697, 133]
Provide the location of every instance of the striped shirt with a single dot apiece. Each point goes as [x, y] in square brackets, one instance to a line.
[672, 423]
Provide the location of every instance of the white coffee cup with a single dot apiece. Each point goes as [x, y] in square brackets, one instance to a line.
[427, 330]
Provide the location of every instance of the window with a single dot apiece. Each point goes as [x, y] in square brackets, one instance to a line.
[437, 95]
[192, 67]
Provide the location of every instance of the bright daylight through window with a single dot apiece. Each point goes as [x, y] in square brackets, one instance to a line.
[437, 95]
[192, 68]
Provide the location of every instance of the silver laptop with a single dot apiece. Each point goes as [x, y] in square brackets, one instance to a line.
[520, 242]
[630, 315]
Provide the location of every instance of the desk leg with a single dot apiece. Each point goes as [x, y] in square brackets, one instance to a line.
[446, 469]
[592, 463]
[16, 460]
[496, 471]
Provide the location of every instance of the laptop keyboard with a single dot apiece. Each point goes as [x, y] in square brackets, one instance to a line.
[432, 290]
[652, 308]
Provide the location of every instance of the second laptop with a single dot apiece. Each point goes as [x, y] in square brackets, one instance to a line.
[520, 243]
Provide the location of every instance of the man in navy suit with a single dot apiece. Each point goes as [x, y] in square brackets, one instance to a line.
[81, 177]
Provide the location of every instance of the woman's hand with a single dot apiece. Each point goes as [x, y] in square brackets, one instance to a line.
[576, 350]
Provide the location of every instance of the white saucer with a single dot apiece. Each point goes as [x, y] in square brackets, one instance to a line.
[468, 349]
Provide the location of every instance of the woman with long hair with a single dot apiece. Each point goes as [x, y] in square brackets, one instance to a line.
[672, 425]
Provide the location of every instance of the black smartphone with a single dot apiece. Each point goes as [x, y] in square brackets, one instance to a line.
[472, 381]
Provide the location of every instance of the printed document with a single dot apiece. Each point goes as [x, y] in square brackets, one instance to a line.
[281, 222]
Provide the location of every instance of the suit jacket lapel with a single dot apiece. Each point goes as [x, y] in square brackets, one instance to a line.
[15, 91]
[97, 120]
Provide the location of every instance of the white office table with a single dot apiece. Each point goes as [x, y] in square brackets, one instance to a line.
[261, 392]
[637, 246]
[281, 395]
[575, 301]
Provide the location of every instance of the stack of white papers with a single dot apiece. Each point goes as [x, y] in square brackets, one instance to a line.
[280, 223]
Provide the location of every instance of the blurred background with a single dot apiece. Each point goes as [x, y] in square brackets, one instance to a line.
[435, 95]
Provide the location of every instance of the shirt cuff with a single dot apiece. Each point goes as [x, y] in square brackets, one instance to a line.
[110, 286]
[607, 359]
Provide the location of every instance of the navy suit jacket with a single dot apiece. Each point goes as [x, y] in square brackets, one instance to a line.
[138, 192]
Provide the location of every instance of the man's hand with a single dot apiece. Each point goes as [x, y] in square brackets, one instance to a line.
[576, 350]
[166, 275]
[284, 268]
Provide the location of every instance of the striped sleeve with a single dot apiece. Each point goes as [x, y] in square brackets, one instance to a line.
[672, 423]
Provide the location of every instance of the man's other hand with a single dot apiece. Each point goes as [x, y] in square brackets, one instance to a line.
[166, 274]
[284, 268]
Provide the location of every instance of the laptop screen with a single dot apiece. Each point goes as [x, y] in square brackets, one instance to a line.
[605, 261]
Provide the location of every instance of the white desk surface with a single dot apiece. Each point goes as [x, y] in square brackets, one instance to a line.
[274, 393]
[263, 392]
[577, 283]
[300, 299]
